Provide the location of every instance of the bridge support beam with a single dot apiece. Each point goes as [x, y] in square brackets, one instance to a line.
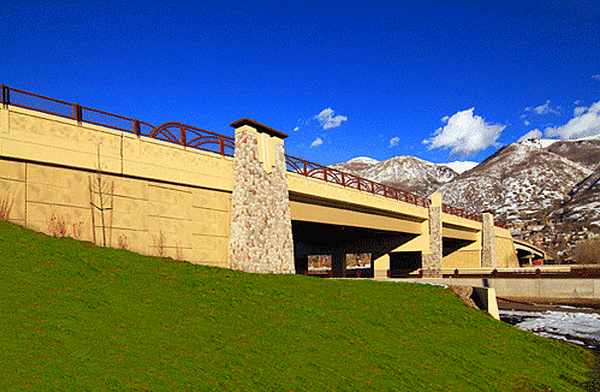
[432, 260]
[489, 255]
[261, 225]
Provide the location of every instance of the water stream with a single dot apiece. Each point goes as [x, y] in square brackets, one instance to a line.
[579, 325]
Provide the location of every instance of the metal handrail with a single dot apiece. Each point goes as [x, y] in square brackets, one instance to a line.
[347, 180]
[200, 139]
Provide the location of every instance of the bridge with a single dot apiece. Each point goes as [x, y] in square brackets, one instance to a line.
[180, 191]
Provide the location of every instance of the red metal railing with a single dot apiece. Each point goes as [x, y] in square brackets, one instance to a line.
[333, 176]
[461, 213]
[201, 139]
[186, 135]
[82, 114]
[573, 273]
[189, 136]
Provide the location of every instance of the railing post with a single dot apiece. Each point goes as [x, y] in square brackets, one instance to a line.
[5, 96]
[182, 135]
[136, 127]
[77, 112]
[221, 146]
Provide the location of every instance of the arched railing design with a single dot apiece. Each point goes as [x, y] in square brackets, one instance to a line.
[333, 176]
[190, 136]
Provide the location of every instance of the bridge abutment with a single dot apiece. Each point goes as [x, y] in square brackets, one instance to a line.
[261, 226]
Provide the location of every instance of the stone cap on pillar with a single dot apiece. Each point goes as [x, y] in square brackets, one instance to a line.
[259, 127]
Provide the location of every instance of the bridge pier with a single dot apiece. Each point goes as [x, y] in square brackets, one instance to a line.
[489, 255]
[261, 225]
[338, 264]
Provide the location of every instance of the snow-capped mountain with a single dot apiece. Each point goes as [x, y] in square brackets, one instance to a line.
[407, 173]
[547, 191]
[520, 180]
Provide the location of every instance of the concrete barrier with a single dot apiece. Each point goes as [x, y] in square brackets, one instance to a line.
[539, 288]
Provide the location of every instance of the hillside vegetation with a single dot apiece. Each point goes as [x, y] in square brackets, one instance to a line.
[77, 317]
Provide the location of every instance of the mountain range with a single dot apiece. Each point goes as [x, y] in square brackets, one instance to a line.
[546, 191]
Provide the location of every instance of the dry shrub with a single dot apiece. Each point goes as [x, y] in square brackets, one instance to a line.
[588, 252]
[159, 244]
[77, 230]
[57, 226]
[123, 242]
[6, 205]
[179, 252]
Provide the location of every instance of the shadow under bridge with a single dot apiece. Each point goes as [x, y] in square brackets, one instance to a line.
[325, 234]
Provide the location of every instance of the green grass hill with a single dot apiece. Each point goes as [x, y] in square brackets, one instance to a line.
[77, 317]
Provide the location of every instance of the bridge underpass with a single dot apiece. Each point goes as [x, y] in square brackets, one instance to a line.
[311, 239]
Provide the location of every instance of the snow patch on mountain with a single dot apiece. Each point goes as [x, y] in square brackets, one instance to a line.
[404, 172]
[460, 166]
[365, 160]
[539, 143]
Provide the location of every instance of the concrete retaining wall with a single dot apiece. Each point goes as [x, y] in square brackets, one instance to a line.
[568, 289]
[166, 199]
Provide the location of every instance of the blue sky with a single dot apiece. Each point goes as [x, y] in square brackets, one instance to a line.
[440, 80]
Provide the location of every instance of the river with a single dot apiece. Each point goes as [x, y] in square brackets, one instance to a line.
[576, 324]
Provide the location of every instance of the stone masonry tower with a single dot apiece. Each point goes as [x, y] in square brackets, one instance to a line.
[261, 226]
[432, 260]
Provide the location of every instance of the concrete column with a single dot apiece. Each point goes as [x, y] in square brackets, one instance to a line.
[432, 260]
[381, 265]
[338, 264]
[489, 256]
[261, 225]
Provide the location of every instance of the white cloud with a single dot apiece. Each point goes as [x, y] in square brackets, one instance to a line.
[316, 143]
[535, 134]
[297, 128]
[465, 134]
[544, 109]
[394, 141]
[327, 119]
[526, 122]
[585, 124]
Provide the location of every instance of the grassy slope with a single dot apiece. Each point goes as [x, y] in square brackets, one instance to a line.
[78, 317]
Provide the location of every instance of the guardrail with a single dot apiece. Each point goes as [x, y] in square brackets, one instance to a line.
[189, 136]
[334, 176]
[574, 273]
[74, 111]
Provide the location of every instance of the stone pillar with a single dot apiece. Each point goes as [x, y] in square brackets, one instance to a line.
[261, 225]
[489, 256]
[432, 260]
